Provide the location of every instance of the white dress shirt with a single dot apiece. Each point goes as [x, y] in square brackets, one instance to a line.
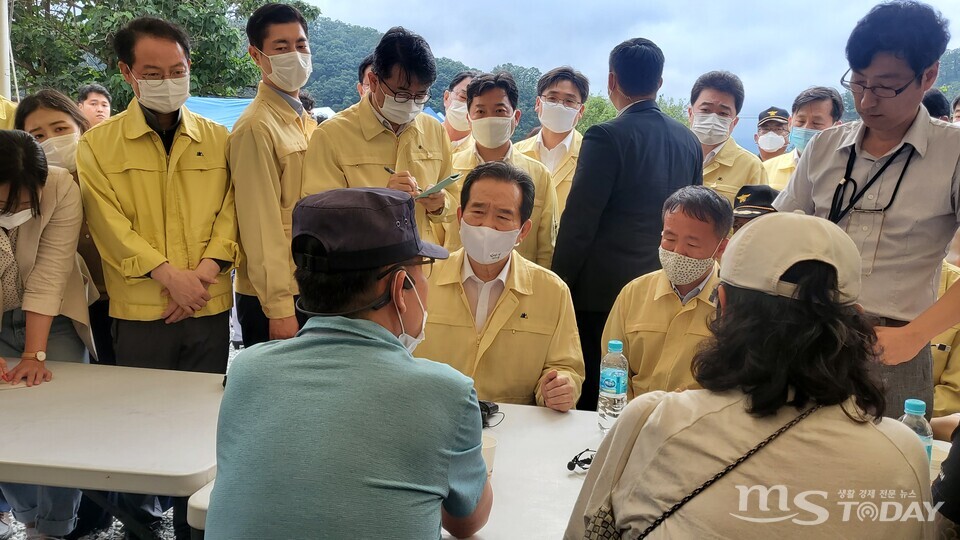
[713, 153]
[902, 248]
[506, 157]
[552, 158]
[482, 295]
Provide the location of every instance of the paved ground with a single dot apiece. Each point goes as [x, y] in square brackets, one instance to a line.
[113, 533]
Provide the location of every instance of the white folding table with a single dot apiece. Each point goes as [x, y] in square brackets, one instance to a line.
[533, 492]
[113, 428]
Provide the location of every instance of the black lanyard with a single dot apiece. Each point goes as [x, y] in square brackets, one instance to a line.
[837, 209]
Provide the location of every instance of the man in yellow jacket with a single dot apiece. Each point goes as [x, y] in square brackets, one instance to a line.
[492, 104]
[160, 205]
[384, 141]
[561, 97]
[8, 110]
[265, 152]
[716, 100]
[495, 316]
[814, 110]
[946, 356]
[455, 121]
[663, 317]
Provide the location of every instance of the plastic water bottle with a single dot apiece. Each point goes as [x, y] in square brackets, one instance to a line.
[613, 385]
[914, 419]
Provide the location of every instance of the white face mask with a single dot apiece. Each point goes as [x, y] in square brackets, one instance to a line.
[164, 96]
[61, 151]
[457, 116]
[683, 270]
[12, 221]
[290, 71]
[711, 128]
[485, 245]
[771, 142]
[410, 342]
[396, 112]
[557, 118]
[492, 131]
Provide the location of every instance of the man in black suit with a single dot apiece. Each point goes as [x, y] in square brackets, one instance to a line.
[610, 230]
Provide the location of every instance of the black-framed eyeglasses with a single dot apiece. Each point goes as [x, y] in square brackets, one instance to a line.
[879, 91]
[779, 130]
[568, 103]
[426, 262]
[403, 97]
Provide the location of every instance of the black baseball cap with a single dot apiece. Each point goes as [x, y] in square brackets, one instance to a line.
[358, 229]
[754, 200]
[773, 114]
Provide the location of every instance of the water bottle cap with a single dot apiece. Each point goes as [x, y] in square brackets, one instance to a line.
[615, 346]
[915, 406]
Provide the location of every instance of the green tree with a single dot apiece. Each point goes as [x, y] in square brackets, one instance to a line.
[64, 45]
[599, 109]
[338, 48]
[674, 108]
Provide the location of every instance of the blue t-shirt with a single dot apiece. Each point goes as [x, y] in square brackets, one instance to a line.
[341, 433]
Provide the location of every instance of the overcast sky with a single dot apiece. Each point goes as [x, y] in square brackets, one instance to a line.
[777, 47]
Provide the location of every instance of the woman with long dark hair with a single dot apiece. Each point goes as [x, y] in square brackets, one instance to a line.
[787, 437]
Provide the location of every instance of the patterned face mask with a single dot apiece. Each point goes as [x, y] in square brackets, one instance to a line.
[683, 270]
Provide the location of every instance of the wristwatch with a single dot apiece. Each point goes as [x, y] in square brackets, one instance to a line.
[39, 356]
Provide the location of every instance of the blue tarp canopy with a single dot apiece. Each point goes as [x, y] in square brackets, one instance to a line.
[221, 110]
[226, 110]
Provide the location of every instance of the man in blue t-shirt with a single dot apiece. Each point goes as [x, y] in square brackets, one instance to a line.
[340, 432]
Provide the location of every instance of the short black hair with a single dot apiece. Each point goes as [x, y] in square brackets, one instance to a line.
[407, 50]
[936, 103]
[488, 81]
[819, 352]
[259, 23]
[364, 64]
[459, 77]
[336, 292]
[565, 73]
[126, 38]
[53, 100]
[910, 30]
[503, 172]
[23, 166]
[703, 204]
[307, 100]
[638, 65]
[721, 81]
[93, 88]
[818, 93]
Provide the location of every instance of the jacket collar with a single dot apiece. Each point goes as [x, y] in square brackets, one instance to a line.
[665, 288]
[135, 124]
[728, 154]
[519, 278]
[276, 103]
[916, 136]
[639, 106]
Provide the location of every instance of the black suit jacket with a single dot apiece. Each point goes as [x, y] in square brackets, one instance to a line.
[610, 229]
